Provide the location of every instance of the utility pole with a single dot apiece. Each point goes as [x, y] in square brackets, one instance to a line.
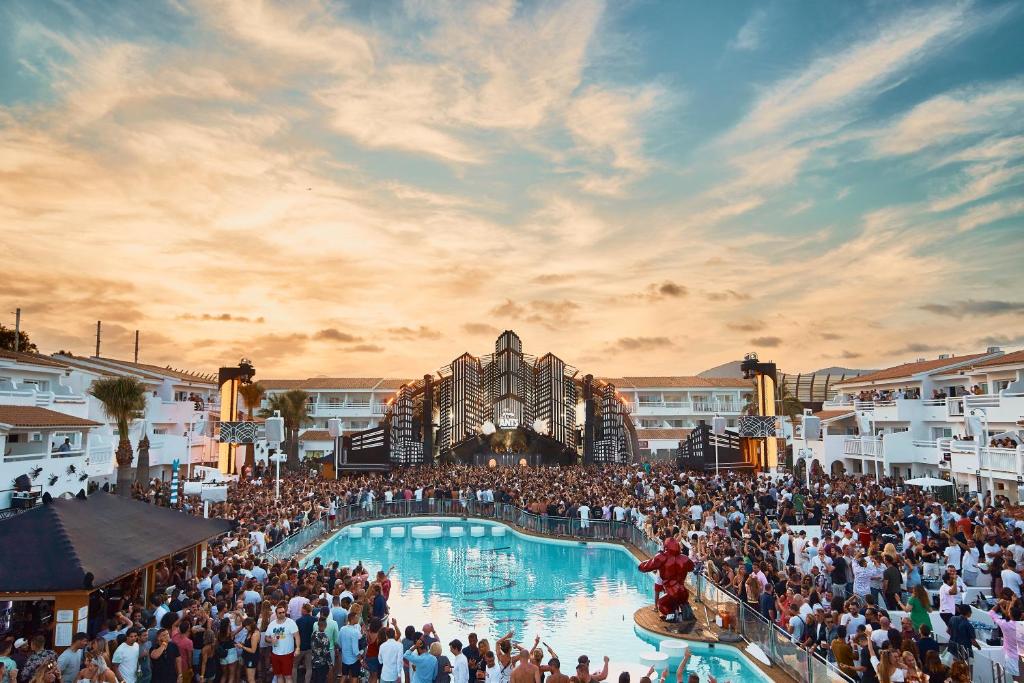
[136, 346]
[17, 329]
[99, 327]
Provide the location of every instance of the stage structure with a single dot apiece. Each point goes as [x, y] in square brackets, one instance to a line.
[759, 432]
[503, 408]
[233, 432]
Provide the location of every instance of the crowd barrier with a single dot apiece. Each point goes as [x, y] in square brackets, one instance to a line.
[776, 643]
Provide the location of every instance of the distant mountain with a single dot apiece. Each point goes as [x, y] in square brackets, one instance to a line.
[835, 370]
[730, 369]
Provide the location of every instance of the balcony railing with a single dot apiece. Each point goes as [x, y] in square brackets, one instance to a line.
[43, 455]
[1000, 460]
[863, 447]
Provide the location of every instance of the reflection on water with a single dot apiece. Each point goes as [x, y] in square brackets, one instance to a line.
[580, 599]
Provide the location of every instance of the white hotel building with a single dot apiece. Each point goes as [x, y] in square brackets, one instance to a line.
[44, 400]
[955, 417]
[664, 409]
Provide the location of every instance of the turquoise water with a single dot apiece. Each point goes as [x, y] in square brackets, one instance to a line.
[579, 598]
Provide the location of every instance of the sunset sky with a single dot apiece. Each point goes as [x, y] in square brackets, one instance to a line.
[371, 188]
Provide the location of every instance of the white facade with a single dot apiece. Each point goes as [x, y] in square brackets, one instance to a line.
[665, 409]
[359, 402]
[931, 418]
[27, 380]
[179, 428]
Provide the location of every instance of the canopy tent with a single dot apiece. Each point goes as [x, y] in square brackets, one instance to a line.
[928, 482]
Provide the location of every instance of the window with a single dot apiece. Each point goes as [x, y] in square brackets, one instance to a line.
[942, 432]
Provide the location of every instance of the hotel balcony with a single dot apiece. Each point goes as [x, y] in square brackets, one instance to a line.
[62, 399]
[999, 408]
[330, 409]
[669, 408]
[966, 457]
[862, 447]
[175, 412]
[896, 410]
[900, 449]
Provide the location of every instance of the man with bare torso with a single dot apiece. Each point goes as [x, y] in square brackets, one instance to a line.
[525, 670]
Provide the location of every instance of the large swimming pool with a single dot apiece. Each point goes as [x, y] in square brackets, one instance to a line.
[579, 598]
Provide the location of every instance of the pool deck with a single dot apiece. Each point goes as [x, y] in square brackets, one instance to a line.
[649, 619]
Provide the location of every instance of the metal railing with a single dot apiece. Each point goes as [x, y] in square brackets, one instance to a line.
[753, 627]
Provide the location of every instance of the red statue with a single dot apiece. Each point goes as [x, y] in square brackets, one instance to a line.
[672, 566]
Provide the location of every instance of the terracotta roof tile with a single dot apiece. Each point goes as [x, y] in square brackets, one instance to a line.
[275, 384]
[681, 382]
[393, 384]
[114, 364]
[339, 383]
[316, 435]
[653, 434]
[1005, 359]
[33, 358]
[910, 369]
[824, 415]
[32, 416]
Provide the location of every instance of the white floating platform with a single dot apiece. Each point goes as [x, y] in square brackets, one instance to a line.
[398, 532]
[456, 531]
[355, 532]
[497, 531]
[427, 531]
[377, 532]
[477, 531]
[659, 660]
[675, 649]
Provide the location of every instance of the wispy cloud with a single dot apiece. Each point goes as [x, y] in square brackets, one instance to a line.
[749, 36]
[863, 68]
[972, 308]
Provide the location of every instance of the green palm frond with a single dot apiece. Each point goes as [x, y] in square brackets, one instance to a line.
[253, 395]
[123, 399]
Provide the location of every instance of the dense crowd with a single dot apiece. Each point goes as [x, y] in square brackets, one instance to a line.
[856, 596]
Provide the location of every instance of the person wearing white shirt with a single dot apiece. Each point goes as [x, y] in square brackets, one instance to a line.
[947, 598]
[125, 661]
[952, 555]
[991, 550]
[696, 512]
[1018, 552]
[390, 655]
[1011, 578]
[459, 663]
[584, 516]
[969, 562]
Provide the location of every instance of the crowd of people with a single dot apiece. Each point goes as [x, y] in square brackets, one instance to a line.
[855, 595]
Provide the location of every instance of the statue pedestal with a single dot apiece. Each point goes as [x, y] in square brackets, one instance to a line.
[685, 619]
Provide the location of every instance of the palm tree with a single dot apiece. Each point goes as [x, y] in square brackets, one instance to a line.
[252, 394]
[123, 398]
[750, 403]
[292, 405]
[142, 464]
[790, 406]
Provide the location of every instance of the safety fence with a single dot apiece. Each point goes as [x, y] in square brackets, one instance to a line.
[753, 627]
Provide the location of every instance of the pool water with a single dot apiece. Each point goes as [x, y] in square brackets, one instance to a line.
[579, 598]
